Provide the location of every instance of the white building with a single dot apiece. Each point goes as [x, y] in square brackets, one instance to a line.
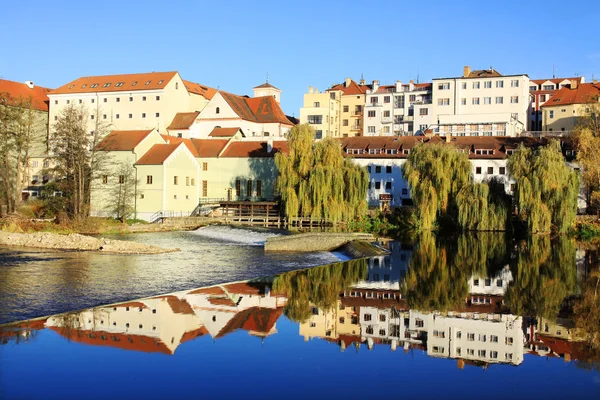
[491, 285]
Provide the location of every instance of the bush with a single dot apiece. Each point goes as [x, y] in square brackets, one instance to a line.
[587, 231]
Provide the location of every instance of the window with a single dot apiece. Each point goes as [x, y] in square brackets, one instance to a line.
[315, 119]
[499, 100]
[490, 171]
[487, 84]
[157, 115]
[93, 100]
[148, 179]
[419, 323]
[502, 171]
[377, 169]
[464, 85]
[475, 101]
[175, 180]
[386, 99]
[118, 99]
[487, 100]
[121, 179]
[217, 110]
[551, 114]
[463, 101]
[204, 166]
[470, 352]
[386, 113]
[499, 283]
[238, 187]
[204, 188]
[106, 85]
[371, 114]
[444, 86]
[105, 179]
[481, 353]
[471, 337]
[143, 115]
[143, 98]
[514, 99]
[187, 181]
[318, 134]
[249, 187]
[494, 339]
[371, 129]
[315, 104]
[157, 98]
[458, 334]
[476, 85]
[377, 185]
[514, 83]
[130, 116]
[105, 99]
[193, 182]
[258, 188]
[404, 191]
[116, 116]
[388, 169]
[345, 122]
[509, 340]
[345, 108]
[423, 111]
[477, 171]
[499, 84]
[386, 129]
[444, 102]
[68, 101]
[388, 185]
[367, 317]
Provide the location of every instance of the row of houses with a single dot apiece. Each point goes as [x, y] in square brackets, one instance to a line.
[477, 103]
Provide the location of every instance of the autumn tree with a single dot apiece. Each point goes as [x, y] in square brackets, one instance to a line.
[20, 127]
[546, 188]
[316, 181]
[587, 310]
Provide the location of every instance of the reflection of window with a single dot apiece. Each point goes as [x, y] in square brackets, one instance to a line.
[458, 334]
[419, 323]
[470, 337]
[367, 317]
[369, 330]
[382, 318]
[494, 339]
[315, 311]
[382, 332]
[470, 352]
[342, 320]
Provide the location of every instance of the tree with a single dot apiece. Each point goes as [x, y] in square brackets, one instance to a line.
[77, 162]
[547, 189]
[20, 125]
[123, 192]
[316, 181]
[587, 310]
[586, 140]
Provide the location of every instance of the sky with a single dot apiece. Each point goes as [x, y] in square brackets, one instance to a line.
[233, 45]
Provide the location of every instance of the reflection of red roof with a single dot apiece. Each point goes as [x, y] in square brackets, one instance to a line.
[576, 350]
[221, 301]
[254, 319]
[179, 306]
[183, 120]
[157, 154]
[191, 335]
[119, 340]
[123, 140]
[374, 302]
[208, 290]
[132, 304]
[20, 91]
[15, 329]
[117, 83]
[246, 288]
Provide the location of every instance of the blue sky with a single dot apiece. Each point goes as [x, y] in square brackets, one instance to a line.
[233, 44]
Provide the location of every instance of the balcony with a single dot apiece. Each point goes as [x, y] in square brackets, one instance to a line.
[386, 120]
[374, 105]
[355, 128]
[426, 101]
[398, 105]
[357, 113]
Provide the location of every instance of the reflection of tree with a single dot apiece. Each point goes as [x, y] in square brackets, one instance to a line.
[482, 253]
[545, 276]
[432, 282]
[320, 286]
[587, 311]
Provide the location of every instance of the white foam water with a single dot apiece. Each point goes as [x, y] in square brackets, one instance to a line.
[237, 236]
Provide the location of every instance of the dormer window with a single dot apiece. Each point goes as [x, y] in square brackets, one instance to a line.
[147, 83]
[71, 87]
[484, 152]
[160, 82]
[119, 84]
[391, 151]
[106, 85]
[134, 83]
[405, 151]
[84, 85]
[94, 85]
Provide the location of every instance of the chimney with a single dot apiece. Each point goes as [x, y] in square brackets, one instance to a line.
[347, 83]
[30, 84]
[411, 85]
[574, 84]
[375, 85]
[466, 71]
[398, 86]
[310, 90]
[595, 81]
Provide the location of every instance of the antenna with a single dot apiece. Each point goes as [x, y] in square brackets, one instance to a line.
[553, 72]
[267, 77]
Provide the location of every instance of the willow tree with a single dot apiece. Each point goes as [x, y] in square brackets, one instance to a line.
[547, 189]
[316, 181]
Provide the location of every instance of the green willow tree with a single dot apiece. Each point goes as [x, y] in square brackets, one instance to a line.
[316, 181]
[319, 287]
[547, 189]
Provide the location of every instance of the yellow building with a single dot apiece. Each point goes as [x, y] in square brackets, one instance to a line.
[562, 111]
[353, 97]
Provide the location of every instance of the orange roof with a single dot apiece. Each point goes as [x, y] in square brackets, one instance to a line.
[483, 73]
[177, 140]
[157, 154]
[117, 83]
[183, 120]
[584, 93]
[254, 149]
[224, 132]
[123, 140]
[265, 85]
[263, 109]
[196, 88]
[353, 88]
[251, 288]
[20, 91]
[555, 80]
[209, 147]
[221, 301]
[208, 290]
[193, 334]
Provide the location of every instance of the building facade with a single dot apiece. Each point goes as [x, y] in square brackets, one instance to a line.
[541, 90]
[562, 111]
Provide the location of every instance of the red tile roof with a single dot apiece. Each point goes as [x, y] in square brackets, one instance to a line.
[157, 154]
[221, 301]
[208, 290]
[353, 88]
[555, 80]
[210, 148]
[123, 140]
[254, 149]
[191, 335]
[20, 91]
[254, 319]
[584, 93]
[117, 83]
[224, 132]
[483, 73]
[263, 109]
[183, 120]
[196, 88]
[177, 140]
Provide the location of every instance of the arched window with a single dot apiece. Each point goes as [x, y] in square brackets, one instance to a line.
[218, 110]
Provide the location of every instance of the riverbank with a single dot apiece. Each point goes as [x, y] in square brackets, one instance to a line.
[74, 241]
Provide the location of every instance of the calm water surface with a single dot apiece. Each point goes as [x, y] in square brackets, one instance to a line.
[469, 317]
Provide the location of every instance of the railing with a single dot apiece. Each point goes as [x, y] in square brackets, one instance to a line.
[386, 120]
[357, 113]
[398, 105]
[355, 128]
[373, 105]
[539, 134]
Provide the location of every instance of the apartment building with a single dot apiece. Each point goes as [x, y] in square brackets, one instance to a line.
[397, 110]
[481, 103]
[337, 112]
[560, 113]
[541, 90]
[130, 101]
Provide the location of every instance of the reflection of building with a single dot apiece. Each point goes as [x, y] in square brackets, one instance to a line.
[386, 272]
[162, 323]
[491, 285]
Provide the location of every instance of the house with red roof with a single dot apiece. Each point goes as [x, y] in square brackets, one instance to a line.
[541, 90]
[561, 112]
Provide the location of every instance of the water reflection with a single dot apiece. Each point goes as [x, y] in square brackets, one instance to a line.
[474, 299]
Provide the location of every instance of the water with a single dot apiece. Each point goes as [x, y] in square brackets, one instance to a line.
[468, 317]
[40, 282]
